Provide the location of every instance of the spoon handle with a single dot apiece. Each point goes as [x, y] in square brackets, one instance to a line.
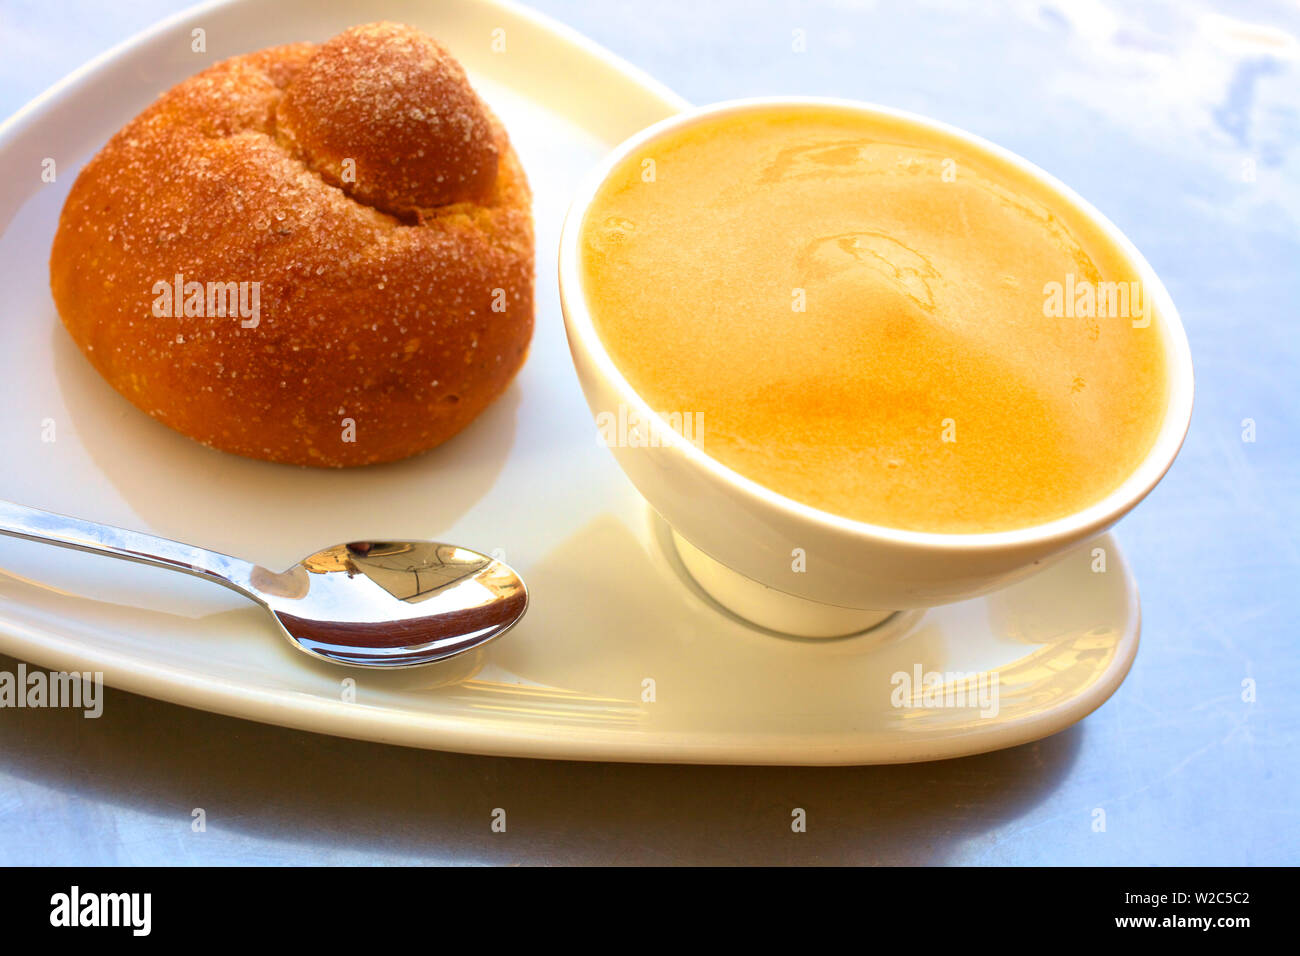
[46, 527]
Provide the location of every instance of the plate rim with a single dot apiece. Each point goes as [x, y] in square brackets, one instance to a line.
[13, 125]
[395, 726]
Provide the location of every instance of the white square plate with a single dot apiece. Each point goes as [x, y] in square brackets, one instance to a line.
[611, 609]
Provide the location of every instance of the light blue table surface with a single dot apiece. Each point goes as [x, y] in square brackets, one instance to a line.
[1181, 122]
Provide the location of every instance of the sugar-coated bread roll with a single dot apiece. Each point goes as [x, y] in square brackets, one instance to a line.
[316, 254]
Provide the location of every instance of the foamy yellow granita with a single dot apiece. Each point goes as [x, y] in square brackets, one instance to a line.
[876, 319]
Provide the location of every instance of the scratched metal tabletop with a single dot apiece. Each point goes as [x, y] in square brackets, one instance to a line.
[1181, 122]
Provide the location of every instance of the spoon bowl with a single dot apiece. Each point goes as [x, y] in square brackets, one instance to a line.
[393, 603]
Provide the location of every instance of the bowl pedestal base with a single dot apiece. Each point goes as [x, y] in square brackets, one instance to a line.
[769, 608]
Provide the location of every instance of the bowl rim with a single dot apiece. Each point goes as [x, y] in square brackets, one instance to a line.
[1093, 518]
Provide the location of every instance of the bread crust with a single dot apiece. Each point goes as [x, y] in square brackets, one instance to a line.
[384, 323]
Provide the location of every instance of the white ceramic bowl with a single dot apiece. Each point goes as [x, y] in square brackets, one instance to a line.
[738, 538]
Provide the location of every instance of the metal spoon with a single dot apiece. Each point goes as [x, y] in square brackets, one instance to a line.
[368, 603]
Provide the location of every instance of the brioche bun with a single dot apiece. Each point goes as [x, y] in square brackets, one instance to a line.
[366, 226]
